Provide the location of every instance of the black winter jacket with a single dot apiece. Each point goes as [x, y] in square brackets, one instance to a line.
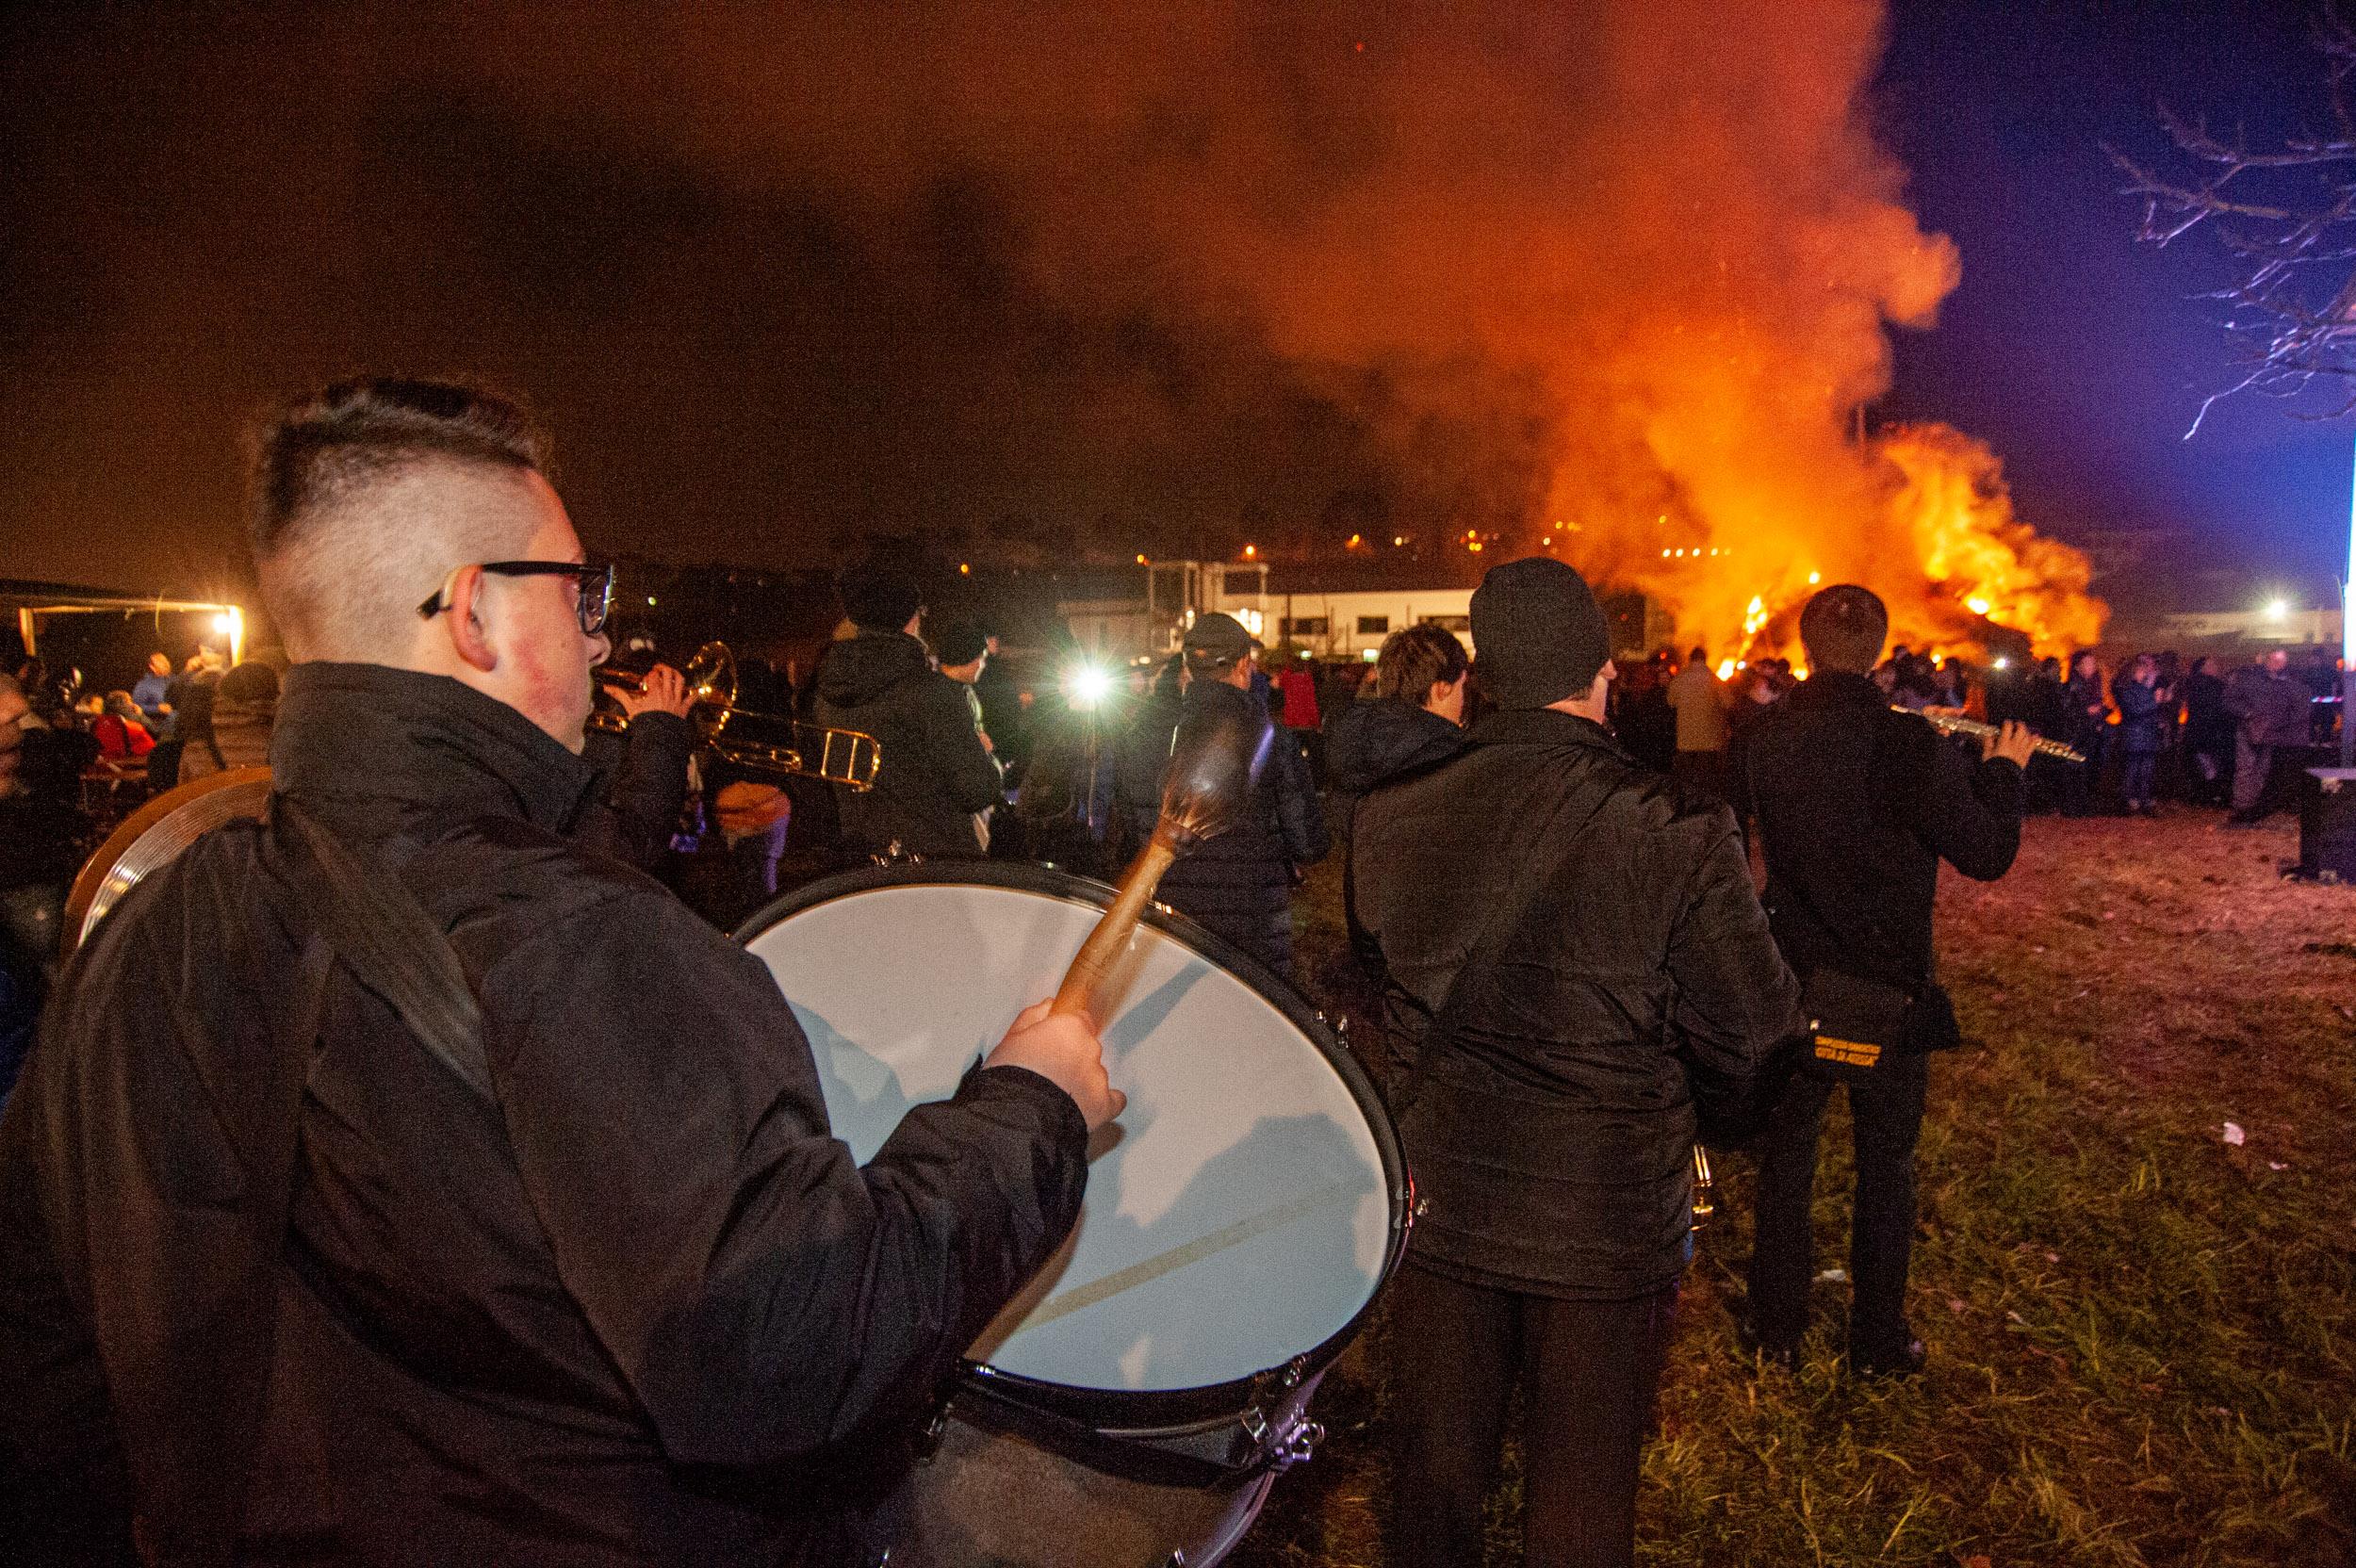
[2207, 726]
[2271, 708]
[635, 806]
[935, 774]
[1553, 1131]
[1857, 806]
[1239, 883]
[602, 1320]
[1381, 738]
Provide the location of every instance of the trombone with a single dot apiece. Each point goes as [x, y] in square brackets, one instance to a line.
[846, 757]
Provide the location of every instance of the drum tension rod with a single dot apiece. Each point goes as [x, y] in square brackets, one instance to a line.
[1296, 1440]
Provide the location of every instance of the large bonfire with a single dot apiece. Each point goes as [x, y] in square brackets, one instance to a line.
[1934, 534]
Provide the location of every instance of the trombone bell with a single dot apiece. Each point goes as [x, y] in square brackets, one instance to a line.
[847, 756]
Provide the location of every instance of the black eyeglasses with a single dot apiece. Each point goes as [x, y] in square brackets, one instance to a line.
[595, 585]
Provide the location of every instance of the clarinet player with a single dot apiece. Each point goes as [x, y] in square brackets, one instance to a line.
[1856, 807]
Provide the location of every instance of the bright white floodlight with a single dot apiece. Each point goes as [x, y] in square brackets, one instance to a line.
[1086, 686]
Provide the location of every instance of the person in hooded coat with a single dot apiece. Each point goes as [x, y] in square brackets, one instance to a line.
[1414, 718]
[936, 772]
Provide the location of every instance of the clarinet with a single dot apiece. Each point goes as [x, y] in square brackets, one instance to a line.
[1955, 724]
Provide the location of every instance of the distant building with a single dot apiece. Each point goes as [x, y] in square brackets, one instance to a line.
[2268, 626]
[1337, 623]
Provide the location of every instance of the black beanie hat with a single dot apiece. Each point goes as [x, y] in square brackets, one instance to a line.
[1540, 633]
[878, 597]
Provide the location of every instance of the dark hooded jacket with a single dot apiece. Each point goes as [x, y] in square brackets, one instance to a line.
[2139, 715]
[1552, 1128]
[610, 1313]
[1378, 739]
[1239, 883]
[936, 772]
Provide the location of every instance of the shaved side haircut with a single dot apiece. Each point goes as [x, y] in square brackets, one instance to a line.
[360, 506]
[1844, 629]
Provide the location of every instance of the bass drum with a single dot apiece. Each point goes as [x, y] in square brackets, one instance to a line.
[1136, 1402]
[152, 838]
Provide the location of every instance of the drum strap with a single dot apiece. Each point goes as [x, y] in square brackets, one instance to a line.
[195, 1519]
[370, 922]
[1537, 861]
[363, 910]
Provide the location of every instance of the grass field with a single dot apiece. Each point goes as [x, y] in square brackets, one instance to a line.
[2142, 1335]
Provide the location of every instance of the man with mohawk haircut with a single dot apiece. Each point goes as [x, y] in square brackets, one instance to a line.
[472, 1202]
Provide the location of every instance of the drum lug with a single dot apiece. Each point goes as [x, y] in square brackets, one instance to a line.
[1295, 1438]
[1281, 1447]
[927, 1442]
[896, 854]
[1299, 1446]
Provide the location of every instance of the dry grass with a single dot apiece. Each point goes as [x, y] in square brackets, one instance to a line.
[2141, 1346]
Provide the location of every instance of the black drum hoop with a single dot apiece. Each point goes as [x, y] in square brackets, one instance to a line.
[1149, 1414]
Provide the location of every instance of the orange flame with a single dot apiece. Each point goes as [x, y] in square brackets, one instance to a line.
[1929, 526]
[1978, 560]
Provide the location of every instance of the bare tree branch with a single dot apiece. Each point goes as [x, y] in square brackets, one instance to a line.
[2287, 216]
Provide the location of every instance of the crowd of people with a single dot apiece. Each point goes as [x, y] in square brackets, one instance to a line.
[2155, 728]
[473, 1200]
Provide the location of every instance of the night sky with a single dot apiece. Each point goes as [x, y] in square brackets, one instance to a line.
[2080, 355]
[763, 314]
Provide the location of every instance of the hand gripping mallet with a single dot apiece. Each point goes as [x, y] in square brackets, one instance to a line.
[1215, 759]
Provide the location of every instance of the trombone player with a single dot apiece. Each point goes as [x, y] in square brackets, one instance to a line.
[643, 766]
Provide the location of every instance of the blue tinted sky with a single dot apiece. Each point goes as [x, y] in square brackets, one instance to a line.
[2076, 351]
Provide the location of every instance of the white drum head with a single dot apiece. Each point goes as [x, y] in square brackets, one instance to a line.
[1240, 1215]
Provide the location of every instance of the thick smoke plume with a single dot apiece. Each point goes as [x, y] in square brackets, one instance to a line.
[1612, 276]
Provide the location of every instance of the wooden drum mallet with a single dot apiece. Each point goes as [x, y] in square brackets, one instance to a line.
[1215, 759]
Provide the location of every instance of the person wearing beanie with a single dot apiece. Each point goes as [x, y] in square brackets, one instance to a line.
[938, 777]
[963, 650]
[1579, 984]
